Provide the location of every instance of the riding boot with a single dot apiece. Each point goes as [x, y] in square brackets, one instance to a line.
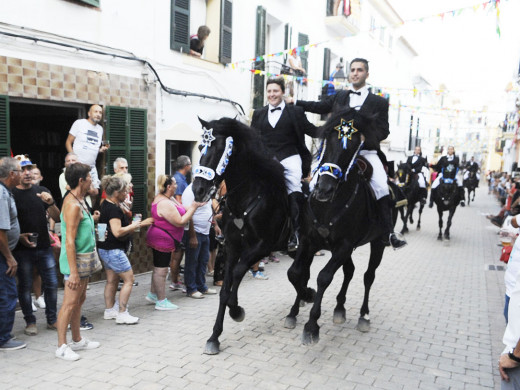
[295, 206]
[462, 196]
[433, 193]
[385, 213]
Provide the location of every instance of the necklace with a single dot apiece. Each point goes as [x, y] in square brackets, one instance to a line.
[81, 203]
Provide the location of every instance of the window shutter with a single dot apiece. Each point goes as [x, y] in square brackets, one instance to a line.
[258, 85]
[303, 39]
[180, 26]
[226, 21]
[116, 134]
[137, 157]
[95, 3]
[287, 40]
[326, 69]
[5, 142]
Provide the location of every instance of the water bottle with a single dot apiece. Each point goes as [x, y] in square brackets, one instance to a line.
[137, 217]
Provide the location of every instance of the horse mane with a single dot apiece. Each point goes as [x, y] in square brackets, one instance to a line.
[261, 163]
[363, 123]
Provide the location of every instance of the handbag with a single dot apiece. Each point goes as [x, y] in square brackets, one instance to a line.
[178, 245]
[506, 253]
[88, 264]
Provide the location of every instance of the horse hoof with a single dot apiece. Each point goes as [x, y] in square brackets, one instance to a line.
[310, 338]
[363, 325]
[237, 313]
[439, 237]
[212, 348]
[339, 316]
[418, 228]
[310, 295]
[302, 303]
[446, 237]
[290, 322]
[404, 230]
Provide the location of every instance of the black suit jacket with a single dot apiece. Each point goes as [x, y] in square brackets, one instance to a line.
[374, 106]
[419, 163]
[300, 126]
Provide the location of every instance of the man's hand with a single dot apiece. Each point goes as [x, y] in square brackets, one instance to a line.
[12, 266]
[46, 197]
[24, 240]
[95, 216]
[289, 100]
[504, 363]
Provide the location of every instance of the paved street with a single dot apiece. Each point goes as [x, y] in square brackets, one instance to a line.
[436, 314]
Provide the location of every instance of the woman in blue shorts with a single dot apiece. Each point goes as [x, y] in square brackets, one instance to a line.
[112, 250]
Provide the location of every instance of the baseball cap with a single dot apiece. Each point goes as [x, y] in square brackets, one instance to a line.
[24, 161]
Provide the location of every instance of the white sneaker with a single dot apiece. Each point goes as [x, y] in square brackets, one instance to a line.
[110, 314]
[210, 291]
[84, 343]
[40, 302]
[66, 353]
[126, 318]
[34, 308]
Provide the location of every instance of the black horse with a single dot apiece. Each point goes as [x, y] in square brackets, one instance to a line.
[255, 215]
[471, 184]
[409, 183]
[447, 198]
[339, 216]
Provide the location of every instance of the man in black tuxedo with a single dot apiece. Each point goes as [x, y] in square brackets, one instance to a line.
[417, 164]
[283, 128]
[472, 166]
[368, 104]
[448, 168]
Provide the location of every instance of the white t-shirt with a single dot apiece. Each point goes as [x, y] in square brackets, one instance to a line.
[203, 215]
[87, 142]
[512, 333]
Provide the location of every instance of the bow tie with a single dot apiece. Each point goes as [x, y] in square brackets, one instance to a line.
[276, 108]
[356, 93]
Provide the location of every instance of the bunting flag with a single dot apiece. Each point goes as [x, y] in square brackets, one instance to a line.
[436, 110]
[453, 13]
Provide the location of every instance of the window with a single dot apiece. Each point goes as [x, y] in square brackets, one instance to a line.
[95, 3]
[126, 130]
[303, 39]
[188, 15]
[5, 143]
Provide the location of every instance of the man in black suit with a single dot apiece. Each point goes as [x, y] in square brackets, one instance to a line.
[448, 168]
[472, 166]
[361, 99]
[417, 164]
[283, 128]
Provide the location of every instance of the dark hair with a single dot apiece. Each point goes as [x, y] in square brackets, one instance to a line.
[362, 60]
[276, 80]
[74, 172]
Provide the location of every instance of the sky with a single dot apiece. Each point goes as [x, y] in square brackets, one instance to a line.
[464, 52]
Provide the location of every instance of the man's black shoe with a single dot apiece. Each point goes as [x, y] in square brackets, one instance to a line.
[396, 242]
[462, 204]
[293, 243]
[85, 325]
[431, 203]
[423, 201]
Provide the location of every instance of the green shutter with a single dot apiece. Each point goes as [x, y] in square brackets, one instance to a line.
[95, 3]
[180, 25]
[226, 34]
[303, 39]
[258, 80]
[287, 40]
[5, 141]
[116, 134]
[137, 157]
[126, 130]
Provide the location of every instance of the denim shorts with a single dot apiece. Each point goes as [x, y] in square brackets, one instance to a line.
[115, 260]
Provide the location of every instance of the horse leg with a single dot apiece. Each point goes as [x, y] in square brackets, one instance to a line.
[439, 210]
[340, 316]
[411, 206]
[213, 344]
[376, 255]
[404, 218]
[299, 274]
[421, 207]
[448, 224]
[311, 330]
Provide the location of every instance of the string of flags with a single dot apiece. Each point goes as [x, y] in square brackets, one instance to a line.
[489, 5]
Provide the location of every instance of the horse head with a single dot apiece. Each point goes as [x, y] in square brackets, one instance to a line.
[403, 174]
[215, 152]
[448, 191]
[343, 136]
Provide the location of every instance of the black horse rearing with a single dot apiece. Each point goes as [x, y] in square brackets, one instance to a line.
[255, 216]
[340, 216]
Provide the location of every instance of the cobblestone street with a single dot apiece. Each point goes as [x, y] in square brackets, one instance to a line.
[436, 323]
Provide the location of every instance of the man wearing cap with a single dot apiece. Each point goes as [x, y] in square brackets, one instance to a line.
[84, 140]
[34, 247]
[9, 235]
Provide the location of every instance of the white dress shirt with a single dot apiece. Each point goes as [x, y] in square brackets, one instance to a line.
[274, 116]
[356, 101]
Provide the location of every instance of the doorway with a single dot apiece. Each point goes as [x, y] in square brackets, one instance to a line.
[40, 129]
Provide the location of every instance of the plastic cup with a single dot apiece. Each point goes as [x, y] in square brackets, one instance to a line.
[33, 238]
[101, 230]
[138, 217]
[57, 228]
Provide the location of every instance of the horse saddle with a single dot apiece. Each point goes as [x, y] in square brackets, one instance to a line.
[364, 168]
